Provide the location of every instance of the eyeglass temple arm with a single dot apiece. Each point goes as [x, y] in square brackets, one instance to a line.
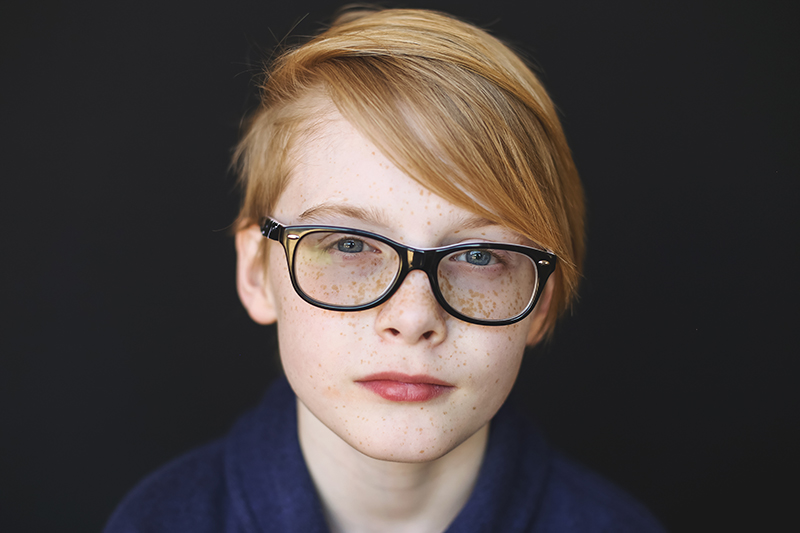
[272, 229]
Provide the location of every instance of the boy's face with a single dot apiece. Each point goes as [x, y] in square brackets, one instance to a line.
[333, 360]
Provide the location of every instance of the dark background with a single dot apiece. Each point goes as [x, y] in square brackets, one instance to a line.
[124, 343]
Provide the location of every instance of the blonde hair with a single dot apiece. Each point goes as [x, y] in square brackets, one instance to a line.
[446, 102]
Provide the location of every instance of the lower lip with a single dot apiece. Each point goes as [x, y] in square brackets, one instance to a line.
[398, 391]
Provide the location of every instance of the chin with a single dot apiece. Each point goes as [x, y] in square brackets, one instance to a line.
[401, 445]
[404, 453]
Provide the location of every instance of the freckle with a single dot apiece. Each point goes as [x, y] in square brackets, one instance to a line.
[422, 451]
[444, 412]
[474, 408]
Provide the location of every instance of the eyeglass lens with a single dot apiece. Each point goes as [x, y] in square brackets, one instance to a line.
[340, 269]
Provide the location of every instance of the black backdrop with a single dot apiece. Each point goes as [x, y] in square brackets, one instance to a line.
[123, 340]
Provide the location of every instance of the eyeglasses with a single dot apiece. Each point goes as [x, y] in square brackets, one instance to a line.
[344, 269]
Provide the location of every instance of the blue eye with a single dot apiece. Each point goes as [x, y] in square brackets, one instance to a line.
[350, 246]
[478, 257]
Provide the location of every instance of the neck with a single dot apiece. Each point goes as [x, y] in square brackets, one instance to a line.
[362, 494]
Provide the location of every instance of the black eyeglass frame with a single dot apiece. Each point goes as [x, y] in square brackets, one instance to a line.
[425, 259]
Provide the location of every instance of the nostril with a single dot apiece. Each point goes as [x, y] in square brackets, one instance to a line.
[427, 335]
[394, 332]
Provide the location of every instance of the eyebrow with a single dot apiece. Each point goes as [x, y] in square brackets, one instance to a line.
[477, 222]
[375, 216]
[474, 221]
[318, 212]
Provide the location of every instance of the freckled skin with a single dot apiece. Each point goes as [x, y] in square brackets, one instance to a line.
[324, 352]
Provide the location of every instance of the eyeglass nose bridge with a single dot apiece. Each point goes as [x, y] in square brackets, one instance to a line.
[419, 260]
[416, 259]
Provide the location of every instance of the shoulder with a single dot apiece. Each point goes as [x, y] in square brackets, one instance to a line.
[252, 479]
[576, 499]
[186, 495]
[526, 486]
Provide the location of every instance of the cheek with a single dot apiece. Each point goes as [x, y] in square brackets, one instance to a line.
[308, 344]
[499, 352]
[495, 370]
[317, 347]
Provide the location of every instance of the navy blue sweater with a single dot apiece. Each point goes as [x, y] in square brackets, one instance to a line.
[255, 480]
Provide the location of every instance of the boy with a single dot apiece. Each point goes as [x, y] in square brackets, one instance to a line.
[412, 220]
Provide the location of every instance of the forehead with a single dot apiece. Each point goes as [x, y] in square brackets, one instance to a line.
[340, 177]
[333, 162]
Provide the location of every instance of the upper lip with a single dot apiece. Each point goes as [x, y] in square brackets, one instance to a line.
[405, 378]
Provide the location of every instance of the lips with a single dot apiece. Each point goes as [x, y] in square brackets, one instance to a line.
[398, 387]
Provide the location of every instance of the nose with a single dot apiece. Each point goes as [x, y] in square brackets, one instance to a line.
[412, 314]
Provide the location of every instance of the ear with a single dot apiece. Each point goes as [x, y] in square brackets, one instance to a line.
[251, 283]
[537, 330]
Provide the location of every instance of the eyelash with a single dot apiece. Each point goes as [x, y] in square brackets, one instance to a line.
[334, 245]
[498, 258]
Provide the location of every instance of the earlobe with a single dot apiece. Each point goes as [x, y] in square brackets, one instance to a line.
[537, 330]
[251, 283]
